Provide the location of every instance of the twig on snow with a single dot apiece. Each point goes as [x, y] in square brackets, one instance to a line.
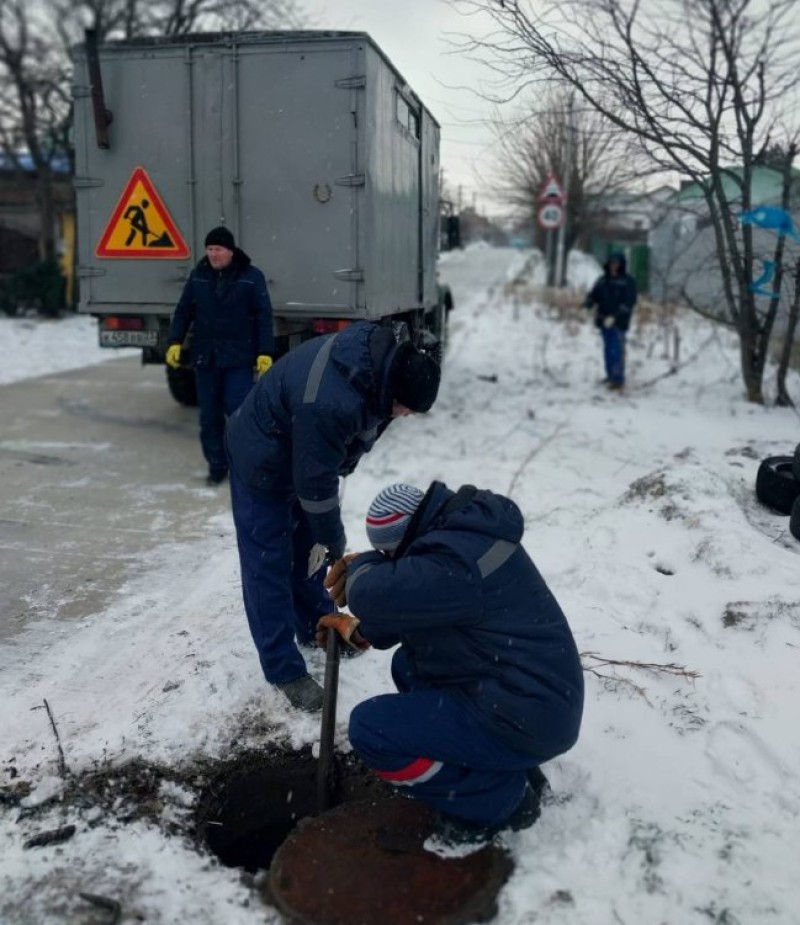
[534, 452]
[111, 906]
[669, 668]
[62, 764]
[50, 837]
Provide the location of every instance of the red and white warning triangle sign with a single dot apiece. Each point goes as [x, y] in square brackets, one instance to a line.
[552, 190]
[141, 226]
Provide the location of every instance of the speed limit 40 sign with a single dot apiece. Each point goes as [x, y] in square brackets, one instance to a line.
[551, 215]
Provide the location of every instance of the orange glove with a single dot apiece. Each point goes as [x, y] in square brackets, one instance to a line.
[346, 626]
[336, 579]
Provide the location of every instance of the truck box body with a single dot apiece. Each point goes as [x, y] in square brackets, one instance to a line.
[309, 146]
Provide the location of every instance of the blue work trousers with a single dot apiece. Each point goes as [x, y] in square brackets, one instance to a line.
[428, 740]
[614, 354]
[281, 602]
[219, 394]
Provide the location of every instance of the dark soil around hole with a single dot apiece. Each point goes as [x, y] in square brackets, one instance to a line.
[183, 800]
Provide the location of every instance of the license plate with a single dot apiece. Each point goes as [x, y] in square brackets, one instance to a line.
[128, 338]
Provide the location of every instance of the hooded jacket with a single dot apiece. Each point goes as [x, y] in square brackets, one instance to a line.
[231, 312]
[614, 295]
[476, 618]
[311, 418]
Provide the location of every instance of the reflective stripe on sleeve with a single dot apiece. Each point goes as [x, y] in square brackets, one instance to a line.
[319, 507]
[355, 576]
[498, 553]
[316, 371]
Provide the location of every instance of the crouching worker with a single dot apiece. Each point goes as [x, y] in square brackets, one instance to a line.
[489, 681]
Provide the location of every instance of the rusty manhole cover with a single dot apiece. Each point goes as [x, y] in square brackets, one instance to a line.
[364, 864]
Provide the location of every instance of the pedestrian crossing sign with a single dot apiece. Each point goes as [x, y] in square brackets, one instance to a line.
[141, 226]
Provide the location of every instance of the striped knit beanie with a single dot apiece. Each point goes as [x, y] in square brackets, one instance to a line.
[390, 513]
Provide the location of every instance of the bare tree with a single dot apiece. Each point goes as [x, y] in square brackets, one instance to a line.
[126, 19]
[792, 321]
[705, 86]
[32, 107]
[593, 158]
[35, 47]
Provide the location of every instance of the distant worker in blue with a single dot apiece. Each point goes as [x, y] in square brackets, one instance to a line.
[488, 677]
[304, 425]
[614, 297]
[226, 302]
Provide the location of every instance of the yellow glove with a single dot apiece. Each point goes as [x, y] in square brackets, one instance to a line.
[174, 356]
[346, 626]
[336, 579]
[263, 364]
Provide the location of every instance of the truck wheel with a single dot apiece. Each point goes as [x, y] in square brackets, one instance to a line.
[182, 386]
[794, 519]
[776, 485]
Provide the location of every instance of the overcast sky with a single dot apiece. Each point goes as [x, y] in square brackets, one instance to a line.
[417, 35]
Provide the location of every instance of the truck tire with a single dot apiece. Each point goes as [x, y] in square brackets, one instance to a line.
[182, 386]
[776, 485]
[794, 519]
[796, 462]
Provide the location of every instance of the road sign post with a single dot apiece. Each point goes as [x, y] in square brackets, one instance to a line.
[551, 216]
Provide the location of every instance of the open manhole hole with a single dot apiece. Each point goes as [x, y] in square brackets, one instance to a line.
[260, 812]
[252, 804]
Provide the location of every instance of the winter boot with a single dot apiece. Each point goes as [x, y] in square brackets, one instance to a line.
[303, 693]
[539, 783]
[454, 831]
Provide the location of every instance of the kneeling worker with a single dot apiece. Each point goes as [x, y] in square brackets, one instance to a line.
[489, 680]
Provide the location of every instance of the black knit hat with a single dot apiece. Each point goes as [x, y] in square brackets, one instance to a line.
[414, 379]
[222, 237]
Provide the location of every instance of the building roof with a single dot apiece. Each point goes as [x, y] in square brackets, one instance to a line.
[765, 186]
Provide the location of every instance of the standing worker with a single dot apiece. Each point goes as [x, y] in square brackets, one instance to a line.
[614, 295]
[227, 301]
[322, 406]
[489, 681]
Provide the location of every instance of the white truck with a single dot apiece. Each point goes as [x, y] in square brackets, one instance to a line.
[309, 146]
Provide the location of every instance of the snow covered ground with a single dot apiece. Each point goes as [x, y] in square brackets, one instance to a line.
[681, 801]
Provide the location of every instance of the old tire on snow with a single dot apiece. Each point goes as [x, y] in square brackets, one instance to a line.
[776, 485]
[182, 386]
[796, 462]
[794, 519]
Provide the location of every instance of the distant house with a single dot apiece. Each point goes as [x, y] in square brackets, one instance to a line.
[684, 265]
[19, 218]
[621, 222]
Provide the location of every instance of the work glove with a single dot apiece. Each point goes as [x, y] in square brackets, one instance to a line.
[173, 356]
[609, 321]
[347, 628]
[263, 363]
[336, 579]
[336, 550]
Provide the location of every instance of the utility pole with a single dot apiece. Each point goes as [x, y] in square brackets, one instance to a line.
[561, 274]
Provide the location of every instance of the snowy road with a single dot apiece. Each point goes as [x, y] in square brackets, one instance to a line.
[97, 465]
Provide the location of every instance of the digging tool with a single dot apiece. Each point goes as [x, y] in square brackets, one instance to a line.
[329, 693]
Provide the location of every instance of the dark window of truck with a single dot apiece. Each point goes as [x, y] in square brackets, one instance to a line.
[407, 116]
